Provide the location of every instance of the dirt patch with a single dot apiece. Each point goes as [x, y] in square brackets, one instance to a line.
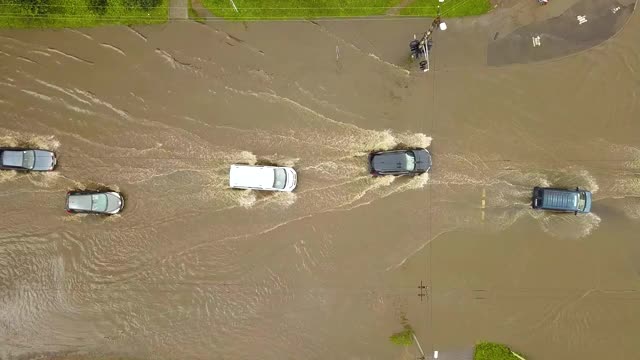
[396, 9]
[201, 11]
[508, 4]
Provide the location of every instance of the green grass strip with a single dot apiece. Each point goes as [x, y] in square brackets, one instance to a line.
[87, 13]
[450, 8]
[309, 9]
[298, 9]
[80, 13]
[493, 351]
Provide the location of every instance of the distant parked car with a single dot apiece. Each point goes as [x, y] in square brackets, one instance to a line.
[272, 178]
[94, 202]
[563, 200]
[400, 162]
[27, 159]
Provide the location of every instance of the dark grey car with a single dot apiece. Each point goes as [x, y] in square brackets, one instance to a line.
[27, 159]
[400, 162]
[94, 202]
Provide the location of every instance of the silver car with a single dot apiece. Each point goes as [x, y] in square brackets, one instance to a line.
[27, 159]
[94, 202]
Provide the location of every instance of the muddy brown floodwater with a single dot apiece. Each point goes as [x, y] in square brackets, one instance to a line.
[193, 270]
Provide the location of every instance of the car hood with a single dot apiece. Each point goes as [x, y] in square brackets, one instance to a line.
[587, 203]
[45, 160]
[114, 202]
[292, 179]
[423, 160]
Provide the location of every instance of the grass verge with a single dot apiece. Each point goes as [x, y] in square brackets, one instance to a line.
[493, 351]
[300, 9]
[80, 13]
[450, 8]
[87, 13]
[308, 9]
[404, 337]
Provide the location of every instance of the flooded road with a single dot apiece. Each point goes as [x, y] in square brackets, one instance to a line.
[194, 270]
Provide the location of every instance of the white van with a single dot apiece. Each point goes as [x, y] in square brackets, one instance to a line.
[274, 178]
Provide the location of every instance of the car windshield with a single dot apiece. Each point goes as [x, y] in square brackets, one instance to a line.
[582, 201]
[280, 178]
[410, 161]
[99, 202]
[28, 159]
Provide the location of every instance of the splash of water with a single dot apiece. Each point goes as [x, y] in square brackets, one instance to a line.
[44, 179]
[11, 138]
[570, 177]
[629, 153]
[279, 200]
[345, 136]
[113, 218]
[568, 226]
[631, 207]
[7, 175]
[242, 157]
[625, 187]
[414, 140]
[245, 198]
[94, 186]
[74, 218]
[370, 189]
[346, 168]
[37, 95]
[277, 160]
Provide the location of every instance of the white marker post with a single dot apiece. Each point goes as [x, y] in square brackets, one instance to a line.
[442, 26]
[417, 343]
[426, 56]
[483, 203]
[234, 5]
[536, 41]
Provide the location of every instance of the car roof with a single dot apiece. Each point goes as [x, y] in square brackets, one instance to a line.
[390, 161]
[80, 201]
[251, 176]
[84, 200]
[559, 199]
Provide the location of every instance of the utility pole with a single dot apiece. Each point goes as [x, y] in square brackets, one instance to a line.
[420, 48]
[424, 290]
